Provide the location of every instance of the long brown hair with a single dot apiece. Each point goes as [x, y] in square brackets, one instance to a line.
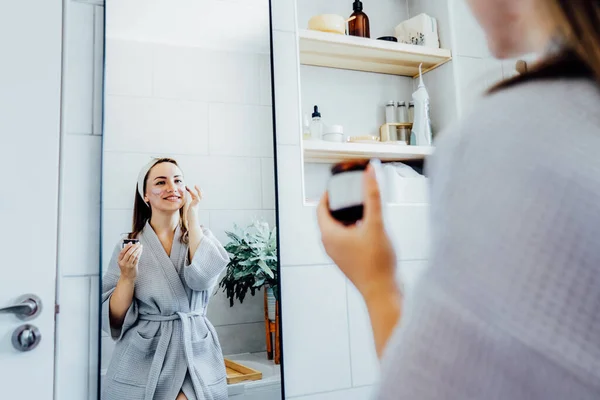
[142, 212]
[577, 24]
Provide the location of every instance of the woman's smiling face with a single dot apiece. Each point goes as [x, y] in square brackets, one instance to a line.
[165, 188]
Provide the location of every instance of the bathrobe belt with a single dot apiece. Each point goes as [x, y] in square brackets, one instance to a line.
[187, 333]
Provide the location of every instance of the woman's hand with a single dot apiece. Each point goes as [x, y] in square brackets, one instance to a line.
[365, 255]
[363, 251]
[190, 213]
[190, 209]
[128, 260]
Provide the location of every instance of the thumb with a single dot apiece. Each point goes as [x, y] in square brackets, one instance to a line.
[372, 197]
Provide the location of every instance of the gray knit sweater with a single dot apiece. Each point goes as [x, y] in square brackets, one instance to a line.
[510, 305]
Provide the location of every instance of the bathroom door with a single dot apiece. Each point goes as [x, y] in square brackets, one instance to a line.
[30, 81]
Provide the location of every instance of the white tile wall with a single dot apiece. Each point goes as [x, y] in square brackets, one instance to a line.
[408, 225]
[474, 76]
[443, 97]
[229, 130]
[250, 311]
[78, 70]
[268, 182]
[198, 74]
[80, 217]
[94, 339]
[470, 40]
[242, 338]
[364, 362]
[361, 393]
[75, 379]
[151, 125]
[266, 92]
[289, 177]
[287, 91]
[127, 68]
[316, 337]
[284, 16]
[315, 180]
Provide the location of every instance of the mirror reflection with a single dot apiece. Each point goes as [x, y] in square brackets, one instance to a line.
[190, 286]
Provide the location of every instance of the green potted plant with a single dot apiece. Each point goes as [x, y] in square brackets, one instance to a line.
[252, 265]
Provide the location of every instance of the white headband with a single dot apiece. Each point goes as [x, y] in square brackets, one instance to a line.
[142, 177]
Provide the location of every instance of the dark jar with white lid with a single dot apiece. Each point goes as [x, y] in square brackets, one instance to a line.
[345, 191]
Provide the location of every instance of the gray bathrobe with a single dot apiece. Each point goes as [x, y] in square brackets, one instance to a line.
[166, 343]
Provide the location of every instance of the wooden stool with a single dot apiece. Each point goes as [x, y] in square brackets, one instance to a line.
[272, 327]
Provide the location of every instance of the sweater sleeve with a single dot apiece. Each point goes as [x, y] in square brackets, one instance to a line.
[209, 261]
[509, 304]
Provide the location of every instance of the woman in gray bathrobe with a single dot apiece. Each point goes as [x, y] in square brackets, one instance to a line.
[154, 299]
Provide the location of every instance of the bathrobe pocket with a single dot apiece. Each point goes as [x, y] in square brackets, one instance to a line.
[137, 360]
[208, 360]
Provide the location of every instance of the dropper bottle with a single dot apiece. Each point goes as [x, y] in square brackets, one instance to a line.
[358, 24]
[316, 125]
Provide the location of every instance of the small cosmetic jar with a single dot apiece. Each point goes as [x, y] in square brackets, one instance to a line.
[345, 191]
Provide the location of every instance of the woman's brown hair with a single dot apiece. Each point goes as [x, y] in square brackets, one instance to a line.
[142, 212]
[577, 24]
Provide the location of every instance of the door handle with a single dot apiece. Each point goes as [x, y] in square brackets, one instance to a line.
[28, 307]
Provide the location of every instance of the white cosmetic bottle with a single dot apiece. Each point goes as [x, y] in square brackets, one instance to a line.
[422, 126]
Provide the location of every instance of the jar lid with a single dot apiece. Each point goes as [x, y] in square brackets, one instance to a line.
[347, 166]
[335, 129]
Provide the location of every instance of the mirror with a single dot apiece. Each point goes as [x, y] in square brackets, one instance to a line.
[189, 306]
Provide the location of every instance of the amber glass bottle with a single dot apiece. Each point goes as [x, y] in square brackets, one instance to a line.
[359, 22]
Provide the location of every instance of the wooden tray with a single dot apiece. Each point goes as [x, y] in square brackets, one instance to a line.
[237, 373]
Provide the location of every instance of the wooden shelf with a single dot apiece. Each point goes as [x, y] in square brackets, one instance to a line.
[370, 55]
[330, 152]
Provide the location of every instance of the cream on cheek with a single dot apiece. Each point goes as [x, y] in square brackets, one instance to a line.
[162, 193]
[157, 191]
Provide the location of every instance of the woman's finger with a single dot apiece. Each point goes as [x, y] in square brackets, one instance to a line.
[124, 251]
[191, 192]
[131, 252]
[372, 197]
[199, 192]
[137, 255]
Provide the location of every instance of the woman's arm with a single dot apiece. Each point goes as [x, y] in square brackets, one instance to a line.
[120, 301]
[118, 305]
[195, 234]
[365, 255]
[385, 308]
[207, 256]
